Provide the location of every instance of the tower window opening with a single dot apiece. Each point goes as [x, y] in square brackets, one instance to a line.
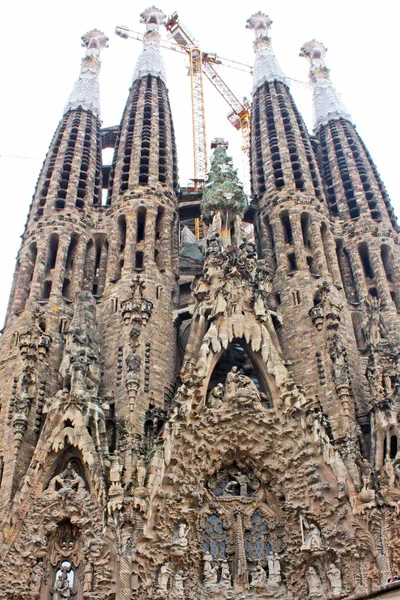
[139, 260]
[365, 260]
[305, 229]
[287, 228]
[46, 290]
[393, 446]
[52, 252]
[373, 292]
[346, 272]
[296, 297]
[141, 225]
[66, 289]
[292, 261]
[395, 299]
[386, 257]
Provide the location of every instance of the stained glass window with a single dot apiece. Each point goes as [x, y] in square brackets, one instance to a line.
[257, 539]
[215, 537]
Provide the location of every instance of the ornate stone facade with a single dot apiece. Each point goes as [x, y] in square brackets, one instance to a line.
[217, 427]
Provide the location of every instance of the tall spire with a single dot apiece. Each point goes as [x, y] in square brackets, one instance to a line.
[85, 92]
[327, 102]
[223, 191]
[150, 61]
[266, 66]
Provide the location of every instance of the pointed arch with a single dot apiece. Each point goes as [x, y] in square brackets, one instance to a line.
[240, 354]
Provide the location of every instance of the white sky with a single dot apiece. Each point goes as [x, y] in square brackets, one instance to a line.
[41, 52]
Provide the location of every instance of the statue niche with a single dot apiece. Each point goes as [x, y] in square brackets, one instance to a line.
[234, 483]
[235, 369]
[68, 477]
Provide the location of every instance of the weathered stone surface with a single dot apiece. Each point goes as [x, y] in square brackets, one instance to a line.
[241, 442]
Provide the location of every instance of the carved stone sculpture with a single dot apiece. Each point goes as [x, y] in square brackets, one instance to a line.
[315, 588]
[225, 580]
[258, 579]
[335, 580]
[210, 573]
[274, 569]
[163, 578]
[67, 480]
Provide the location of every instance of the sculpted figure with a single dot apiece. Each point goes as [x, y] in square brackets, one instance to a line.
[231, 382]
[313, 539]
[274, 569]
[209, 571]
[366, 470]
[88, 578]
[215, 396]
[315, 589]
[258, 578]
[180, 541]
[62, 589]
[335, 580]
[141, 472]
[36, 578]
[163, 578]
[178, 591]
[225, 580]
[68, 479]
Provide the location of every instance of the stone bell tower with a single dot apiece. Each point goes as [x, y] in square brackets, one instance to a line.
[251, 452]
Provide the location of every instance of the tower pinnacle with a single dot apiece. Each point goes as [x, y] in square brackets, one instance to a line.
[327, 102]
[85, 92]
[266, 67]
[150, 61]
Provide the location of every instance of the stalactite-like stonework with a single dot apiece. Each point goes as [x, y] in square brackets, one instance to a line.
[207, 425]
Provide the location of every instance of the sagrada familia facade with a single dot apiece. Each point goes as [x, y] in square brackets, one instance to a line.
[211, 419]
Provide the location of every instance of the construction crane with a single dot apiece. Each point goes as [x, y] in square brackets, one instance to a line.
[202, 62]
[199, 63]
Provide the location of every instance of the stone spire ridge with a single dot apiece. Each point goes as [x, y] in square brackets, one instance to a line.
[150, 61]
[85, 92]
[223, 191]
[327, 102]
[266, 66]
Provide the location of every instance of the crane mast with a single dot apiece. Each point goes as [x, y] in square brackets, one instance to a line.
[202, 62]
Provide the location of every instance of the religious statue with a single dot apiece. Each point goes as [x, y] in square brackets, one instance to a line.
[178, 591]
[68, 479]
[141, 472]
[258, 578]
[225, 580]
[88, 578]
[163, 578]
[179, 540]
[36, 578]
[62, 589]
[335, 580]
[209, 571]
[215, 396]
[313, 539]
[274, 569]
[315, 589]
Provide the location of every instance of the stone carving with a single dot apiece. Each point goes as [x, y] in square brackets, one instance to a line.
[36, 578]
[225, 580]
[179, 540]
[215, 397]
[274, 569]
[67, 480]
[312, 540]
[163, 579]
[88, 578]
[210, 572]
[79, 367]
[62, 589]
[136, 311]
[315, 588]
[335, 580]
[258, 579]
[178, 591]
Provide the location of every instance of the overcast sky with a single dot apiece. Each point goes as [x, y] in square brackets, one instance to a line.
[41, 56]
